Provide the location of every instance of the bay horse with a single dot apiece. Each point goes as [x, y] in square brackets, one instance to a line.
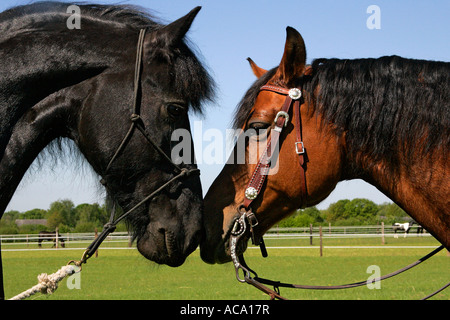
[118, 86]
[385, 120]
[50, 236]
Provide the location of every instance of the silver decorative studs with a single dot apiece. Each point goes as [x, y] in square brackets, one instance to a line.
[295, 94]
[251, 193]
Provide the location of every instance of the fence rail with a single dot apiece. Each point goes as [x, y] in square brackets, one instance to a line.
[335, 232]
[279, 233]
[68, 237]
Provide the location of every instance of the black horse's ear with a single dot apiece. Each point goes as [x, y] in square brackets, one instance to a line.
[293, 63]
[174, 32]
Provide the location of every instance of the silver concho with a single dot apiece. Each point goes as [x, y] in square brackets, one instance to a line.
[251, 193]
[295, 94]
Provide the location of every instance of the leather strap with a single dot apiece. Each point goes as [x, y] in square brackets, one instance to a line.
[262, 168]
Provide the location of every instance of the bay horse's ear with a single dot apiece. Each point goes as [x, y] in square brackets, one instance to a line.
[257, 71]
[174, 32]
[293, 63]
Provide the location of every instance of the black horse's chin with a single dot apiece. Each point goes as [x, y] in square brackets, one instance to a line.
[161, 247]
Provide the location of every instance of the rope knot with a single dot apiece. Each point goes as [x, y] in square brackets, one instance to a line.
[185, 172]
[135, 117]
[48, 285]
[109, 226]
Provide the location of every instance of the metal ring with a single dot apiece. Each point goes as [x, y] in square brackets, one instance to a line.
[238, 228]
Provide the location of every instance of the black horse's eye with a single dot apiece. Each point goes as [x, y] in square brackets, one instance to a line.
[176, 110]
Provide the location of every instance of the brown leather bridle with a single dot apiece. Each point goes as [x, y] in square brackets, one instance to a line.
[293, 101]
[253, 189]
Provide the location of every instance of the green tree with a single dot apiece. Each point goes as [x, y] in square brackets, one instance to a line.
[90, 215]
[302, 218]
[336, 211]
[34, 214]
[63, 209]
[361, 209]
[8, 222]
[390, 213]
[55, 220]
[352, 212]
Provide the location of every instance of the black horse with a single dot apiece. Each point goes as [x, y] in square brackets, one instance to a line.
[50, 236]
[81, 84]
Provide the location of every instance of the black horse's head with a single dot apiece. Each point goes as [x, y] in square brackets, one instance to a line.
[85, 88]
[131, 149]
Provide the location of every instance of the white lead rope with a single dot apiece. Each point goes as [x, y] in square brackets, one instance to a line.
[47, 283]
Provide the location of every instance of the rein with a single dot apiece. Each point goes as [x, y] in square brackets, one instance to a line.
[136, 123]
[248, 218]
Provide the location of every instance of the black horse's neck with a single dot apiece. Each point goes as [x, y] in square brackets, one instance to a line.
[35, 66]
[45, 70]
[41, 59]
[43, 74]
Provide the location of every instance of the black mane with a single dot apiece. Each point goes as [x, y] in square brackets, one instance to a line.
[37, 14]
[386, 105]
[191, 79]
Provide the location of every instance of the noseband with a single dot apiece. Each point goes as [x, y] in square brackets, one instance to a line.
[136, 123]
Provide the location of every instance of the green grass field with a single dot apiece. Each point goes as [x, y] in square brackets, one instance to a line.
[124, 274]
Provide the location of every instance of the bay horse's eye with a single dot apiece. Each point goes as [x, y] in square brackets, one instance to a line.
[175, 110]
[259, 128]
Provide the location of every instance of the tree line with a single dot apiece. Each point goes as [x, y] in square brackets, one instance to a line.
[67, 217]
[347, 213]
[62, 214]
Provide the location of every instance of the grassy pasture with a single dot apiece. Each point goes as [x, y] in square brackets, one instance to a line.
[124, 274]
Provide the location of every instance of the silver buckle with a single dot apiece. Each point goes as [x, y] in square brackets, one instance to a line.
[302, 151]
[282, 114]
[251, 218]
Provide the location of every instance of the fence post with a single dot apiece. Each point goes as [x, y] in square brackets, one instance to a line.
[96, 236]
[382, 233]
[321, 246]
[57, 237]
[310, 235]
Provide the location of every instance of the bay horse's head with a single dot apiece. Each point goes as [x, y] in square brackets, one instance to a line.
[284, 189]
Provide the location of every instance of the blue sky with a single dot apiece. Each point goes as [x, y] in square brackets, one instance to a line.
[227, 32]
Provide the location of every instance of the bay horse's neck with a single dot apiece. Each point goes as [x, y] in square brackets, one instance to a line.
[414, 188]
[392, 115]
